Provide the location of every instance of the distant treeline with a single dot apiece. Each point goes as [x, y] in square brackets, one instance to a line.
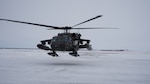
[19, 48]
[116, 50]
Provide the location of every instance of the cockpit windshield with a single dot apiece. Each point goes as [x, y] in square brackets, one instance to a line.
[63, 38]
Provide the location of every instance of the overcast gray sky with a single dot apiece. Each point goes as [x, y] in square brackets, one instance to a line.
[131, 16]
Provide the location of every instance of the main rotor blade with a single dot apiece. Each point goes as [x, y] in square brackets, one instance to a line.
[31, 23]
[97, 28]
[88, 20]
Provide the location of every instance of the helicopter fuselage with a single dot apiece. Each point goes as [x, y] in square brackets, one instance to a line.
[65, 42]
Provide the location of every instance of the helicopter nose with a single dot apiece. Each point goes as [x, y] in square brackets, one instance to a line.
[64, 46]
[60, 46]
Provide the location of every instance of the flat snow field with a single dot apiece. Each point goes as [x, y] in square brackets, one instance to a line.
[27, 66]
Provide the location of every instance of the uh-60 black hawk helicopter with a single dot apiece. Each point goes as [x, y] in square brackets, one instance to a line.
[63, 41]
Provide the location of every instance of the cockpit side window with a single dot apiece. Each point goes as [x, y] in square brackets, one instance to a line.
[54, 39]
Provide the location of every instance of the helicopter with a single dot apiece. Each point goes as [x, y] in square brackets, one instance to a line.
[66, 41]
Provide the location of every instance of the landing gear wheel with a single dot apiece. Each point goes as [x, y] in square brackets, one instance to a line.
[54, 54]
[74, 53]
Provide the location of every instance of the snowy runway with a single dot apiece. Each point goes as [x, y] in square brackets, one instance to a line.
[23, 66]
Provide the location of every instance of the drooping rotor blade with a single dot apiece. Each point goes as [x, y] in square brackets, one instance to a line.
[85, 28]
[88, 20]
[31, 23]
[97, 28]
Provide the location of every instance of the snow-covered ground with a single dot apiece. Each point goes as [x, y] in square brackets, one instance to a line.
[26, 66]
